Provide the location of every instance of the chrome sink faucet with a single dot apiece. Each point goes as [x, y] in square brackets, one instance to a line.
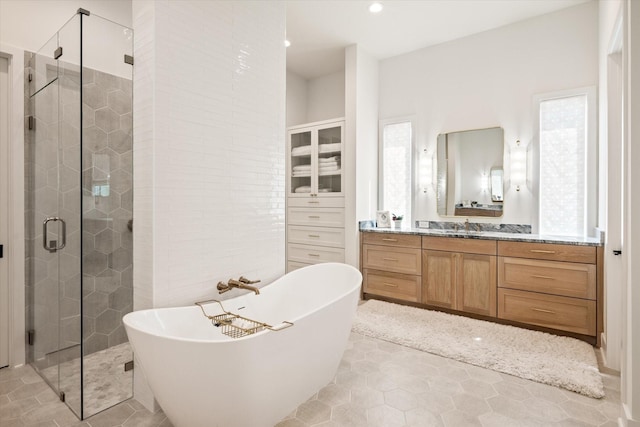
[241, 283]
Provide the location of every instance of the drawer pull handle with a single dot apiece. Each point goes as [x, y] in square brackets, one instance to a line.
[313, 254]
[389, 240]
[390, 259]
[314, 216]
[391, 285]
[535, 276]
[314, 235]
[541, 251]
[543, 310]
[313, 201]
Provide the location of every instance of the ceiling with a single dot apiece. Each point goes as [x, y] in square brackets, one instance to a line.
[319, 30]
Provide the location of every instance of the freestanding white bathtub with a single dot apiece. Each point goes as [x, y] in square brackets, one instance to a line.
[201, 377]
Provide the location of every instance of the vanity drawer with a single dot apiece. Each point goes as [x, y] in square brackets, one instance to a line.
[390, 258]
[549, 251]
[391, 239]
[400, 286]
[550, 311]
[459, 244]
[316, 202]
[314, 254]
[318, 236]
[549, 277]
[326, 217]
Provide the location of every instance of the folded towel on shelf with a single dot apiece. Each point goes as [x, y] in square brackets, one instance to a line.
[301, 174]
[302, 168]
[328, 148]
[328, 168]
[333, 159]
[303, 189]
[301, 151]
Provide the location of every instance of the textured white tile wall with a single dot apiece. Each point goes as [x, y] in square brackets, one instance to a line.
[209, 108]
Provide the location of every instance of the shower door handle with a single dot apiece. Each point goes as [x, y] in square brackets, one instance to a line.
[55, 245]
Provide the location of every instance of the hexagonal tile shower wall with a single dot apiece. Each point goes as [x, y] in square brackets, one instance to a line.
[79, 210]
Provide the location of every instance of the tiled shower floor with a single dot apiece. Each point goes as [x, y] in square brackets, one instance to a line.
[377, 384]
[105, 381]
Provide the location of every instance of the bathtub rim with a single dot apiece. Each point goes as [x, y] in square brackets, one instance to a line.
[224, 338]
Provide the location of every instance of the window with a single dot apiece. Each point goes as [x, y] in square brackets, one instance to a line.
[396, 167]
[567, 165]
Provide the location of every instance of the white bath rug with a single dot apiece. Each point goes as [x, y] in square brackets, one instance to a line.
[559, 361]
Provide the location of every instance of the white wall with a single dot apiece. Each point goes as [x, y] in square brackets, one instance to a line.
[29, 24]
[296, 99]
[314, 100]
[209, 152]
[487, 80]
[325, 97]
[361, 136]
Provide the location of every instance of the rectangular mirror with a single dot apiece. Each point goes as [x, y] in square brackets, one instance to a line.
[469, 168]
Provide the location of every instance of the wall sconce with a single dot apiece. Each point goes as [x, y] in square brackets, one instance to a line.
[518, 165]
[425, 170]
[484, 182]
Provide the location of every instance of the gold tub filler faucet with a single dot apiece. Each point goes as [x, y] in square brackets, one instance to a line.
[235, 326]
[242, 283]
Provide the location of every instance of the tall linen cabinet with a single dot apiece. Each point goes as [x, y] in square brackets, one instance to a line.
[315, 193]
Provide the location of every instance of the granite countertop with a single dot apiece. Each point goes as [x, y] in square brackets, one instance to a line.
[490, 235]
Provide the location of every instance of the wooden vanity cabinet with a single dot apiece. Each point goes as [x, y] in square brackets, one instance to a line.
[391, 265]
[549, 285]
[459, 274]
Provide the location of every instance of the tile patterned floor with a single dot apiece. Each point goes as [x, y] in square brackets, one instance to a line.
[377, 384]
[106, 382]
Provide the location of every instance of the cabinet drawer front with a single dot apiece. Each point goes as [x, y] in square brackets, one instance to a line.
[318, 236]
[327, 217]
[389, 258]
[549, 277]
[314, 254]
[459, 244]
[391, 239]
[567, 314]
[548, 251]
[294, 265]
[316, 202]
[392, 285]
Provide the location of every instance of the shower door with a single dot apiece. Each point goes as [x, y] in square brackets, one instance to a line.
[79, 211]
[53, 214]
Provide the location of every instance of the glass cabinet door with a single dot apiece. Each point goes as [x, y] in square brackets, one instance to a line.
[316, 161]
[301, 168]
[329, 160]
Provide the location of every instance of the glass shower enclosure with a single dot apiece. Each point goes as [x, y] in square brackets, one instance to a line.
[79, 210]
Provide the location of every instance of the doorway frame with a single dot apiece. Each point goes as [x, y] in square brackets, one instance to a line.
[14, 250]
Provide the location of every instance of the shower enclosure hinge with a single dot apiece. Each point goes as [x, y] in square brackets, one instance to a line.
[32, 122]
[30, 77]
[62, 396]
[57, 53]
[128, 366]
[31, 335]
[128, 59]
[82, 11]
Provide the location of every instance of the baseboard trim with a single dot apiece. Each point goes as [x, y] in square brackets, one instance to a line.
[626, 420]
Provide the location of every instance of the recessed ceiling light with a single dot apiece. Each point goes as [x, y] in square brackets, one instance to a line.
[375, 7]
[287, 43]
